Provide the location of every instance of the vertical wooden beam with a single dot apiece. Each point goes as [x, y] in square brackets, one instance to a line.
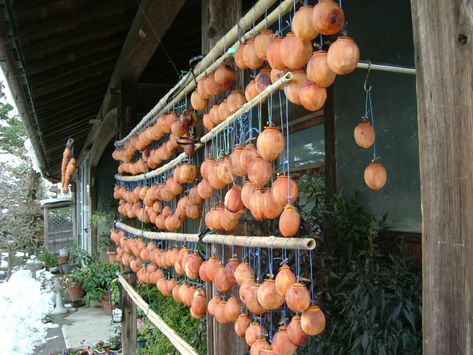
[443, 39]
[218, 17]
[45, 227]
[126, 105]
[129, 330]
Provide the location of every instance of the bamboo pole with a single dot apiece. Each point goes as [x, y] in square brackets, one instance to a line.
[180, 344]
[216, 130]
[236, 240]
[215, 57]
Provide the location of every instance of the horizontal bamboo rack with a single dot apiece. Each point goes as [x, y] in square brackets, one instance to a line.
[235, 240]
[215, 57]
[179, 343]
[216, 130]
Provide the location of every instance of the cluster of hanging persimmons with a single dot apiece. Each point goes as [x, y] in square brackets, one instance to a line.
[313, 71]
[149, 261]
[146, 202]
[68, 165]
[263, 202]
[375, 174]
[177, 126]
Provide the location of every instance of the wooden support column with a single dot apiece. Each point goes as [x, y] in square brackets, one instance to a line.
[443, 39]
[126, 105]
[129, 330]
[218, 17]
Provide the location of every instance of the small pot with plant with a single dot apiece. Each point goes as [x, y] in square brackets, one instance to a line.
[98, 278]
[73, 283]
[108, 245]
[48, 259]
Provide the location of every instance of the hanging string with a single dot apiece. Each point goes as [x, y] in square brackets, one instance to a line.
[287, 153]
[369, 104]
[312, 278]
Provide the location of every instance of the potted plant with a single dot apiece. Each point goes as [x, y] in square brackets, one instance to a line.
[97, 281]
[73, 283]
[112, 345]
[48, 259]
[63, 256]
[108, 245]
[79, 256]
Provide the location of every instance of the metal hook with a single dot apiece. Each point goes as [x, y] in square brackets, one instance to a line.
[366, 78]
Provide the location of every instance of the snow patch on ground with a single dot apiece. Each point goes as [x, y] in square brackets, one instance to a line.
[23, 305]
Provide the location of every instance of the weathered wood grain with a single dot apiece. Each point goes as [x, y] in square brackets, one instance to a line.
[443, 37]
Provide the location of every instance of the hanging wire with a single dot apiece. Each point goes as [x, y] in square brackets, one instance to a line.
[312, 278]
[287, 153]
[369, 104]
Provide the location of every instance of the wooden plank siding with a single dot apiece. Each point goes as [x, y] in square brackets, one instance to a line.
[443, 39]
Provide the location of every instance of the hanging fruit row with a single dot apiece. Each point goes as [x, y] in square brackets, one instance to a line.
[146, 202]
[178, 128]
[149, 261]
[68, 165]
[294, 52]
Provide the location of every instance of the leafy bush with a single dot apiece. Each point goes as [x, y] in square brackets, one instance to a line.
[370, 292]
[178, 317]
[79, 256]
[48, 259]
[97, 279]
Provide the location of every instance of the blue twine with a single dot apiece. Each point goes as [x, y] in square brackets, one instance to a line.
[312, 278]
[369, 111]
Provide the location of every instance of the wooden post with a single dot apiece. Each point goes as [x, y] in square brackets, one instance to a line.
[126, 104]
[129, 330]
[218, 17]
[443, 40]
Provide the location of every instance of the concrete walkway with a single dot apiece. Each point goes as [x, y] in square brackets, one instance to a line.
[80, 329]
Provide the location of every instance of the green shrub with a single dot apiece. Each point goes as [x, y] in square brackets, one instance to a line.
[371, 294]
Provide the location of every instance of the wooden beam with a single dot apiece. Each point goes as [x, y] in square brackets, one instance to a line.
[443, 40]
[145, 34]
[80, 55]
[218, 17]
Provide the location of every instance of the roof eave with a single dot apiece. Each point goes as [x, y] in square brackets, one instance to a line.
[10, 69]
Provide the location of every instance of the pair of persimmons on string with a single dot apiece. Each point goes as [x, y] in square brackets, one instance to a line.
[375, 174]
